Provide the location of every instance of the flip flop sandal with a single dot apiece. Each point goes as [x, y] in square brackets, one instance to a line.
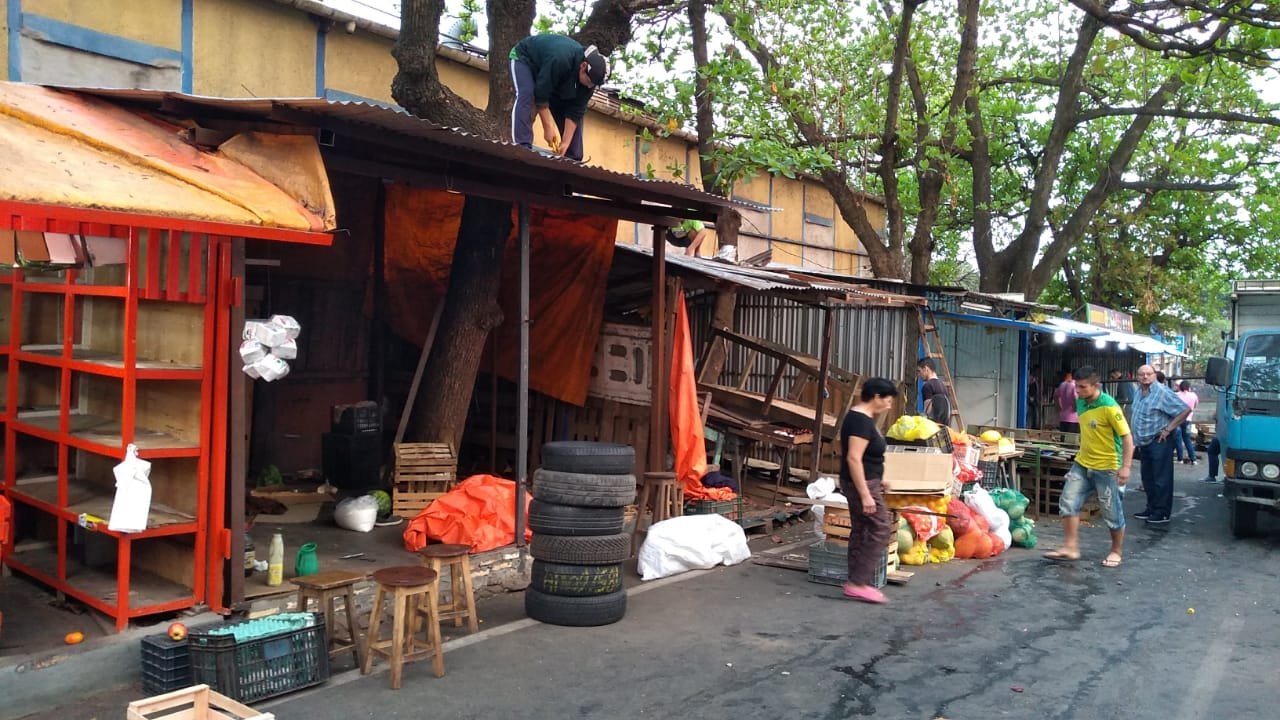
[1060, 556]
[1109, 563]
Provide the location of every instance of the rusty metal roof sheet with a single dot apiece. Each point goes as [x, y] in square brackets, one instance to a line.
[397, 121]
[764, 280]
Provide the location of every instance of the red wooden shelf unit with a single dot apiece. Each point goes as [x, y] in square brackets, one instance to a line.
[92, 359]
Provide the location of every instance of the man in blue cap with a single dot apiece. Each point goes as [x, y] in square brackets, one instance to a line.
[554, 78]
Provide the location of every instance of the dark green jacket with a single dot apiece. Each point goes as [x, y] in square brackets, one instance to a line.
[554, 60]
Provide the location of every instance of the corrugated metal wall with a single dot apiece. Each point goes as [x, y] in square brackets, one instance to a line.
[865, 340]
[984, 365]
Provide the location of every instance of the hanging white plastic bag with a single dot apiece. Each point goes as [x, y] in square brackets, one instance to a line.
[824, 488]
[132, 504]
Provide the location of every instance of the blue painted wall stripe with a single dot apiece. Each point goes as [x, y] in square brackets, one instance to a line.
[321, 39]
[74, 36]
[14, 18]
[188, 45]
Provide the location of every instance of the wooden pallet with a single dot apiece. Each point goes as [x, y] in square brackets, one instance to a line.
[423, 472]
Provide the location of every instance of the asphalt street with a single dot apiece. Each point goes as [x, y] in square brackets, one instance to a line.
[1186, 628]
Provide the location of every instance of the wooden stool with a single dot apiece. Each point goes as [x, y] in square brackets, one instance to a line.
[407, 586]
[324, 588]
[462, 601]
[662, 496]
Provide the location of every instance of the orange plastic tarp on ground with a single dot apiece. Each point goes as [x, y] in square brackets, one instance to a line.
[569, 256]
[479, 512]
[686, 420]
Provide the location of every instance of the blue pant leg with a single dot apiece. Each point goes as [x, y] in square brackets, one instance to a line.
[523, 107]
[1146, 470]
[1215, 453]
[574, 151]
[1160, 496]
[1184, 434]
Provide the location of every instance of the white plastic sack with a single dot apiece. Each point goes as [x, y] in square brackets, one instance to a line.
[824, 488]
[980, 500]
[132, 503]
[692, 542]
[358, 514]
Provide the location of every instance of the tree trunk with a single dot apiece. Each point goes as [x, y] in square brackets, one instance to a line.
[721, 317]
[470, 312]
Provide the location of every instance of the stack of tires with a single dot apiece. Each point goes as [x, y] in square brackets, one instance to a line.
[579, 496]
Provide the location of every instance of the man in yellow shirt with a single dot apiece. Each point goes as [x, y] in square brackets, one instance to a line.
[1102, 466]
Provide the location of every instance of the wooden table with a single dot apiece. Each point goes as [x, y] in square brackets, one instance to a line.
[777, 438]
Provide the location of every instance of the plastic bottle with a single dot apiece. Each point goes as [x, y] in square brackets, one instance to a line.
[250, 555]
[275, 561]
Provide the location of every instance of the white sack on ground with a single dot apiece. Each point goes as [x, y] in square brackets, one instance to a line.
[358, 514]
[692, 542]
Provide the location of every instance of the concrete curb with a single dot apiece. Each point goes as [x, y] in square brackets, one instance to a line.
[40, 683]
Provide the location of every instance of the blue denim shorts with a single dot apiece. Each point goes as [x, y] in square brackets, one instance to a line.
[1081, 481]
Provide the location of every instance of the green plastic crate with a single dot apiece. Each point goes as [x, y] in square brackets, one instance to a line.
[264, 666]
[732, 509]
[829, 563]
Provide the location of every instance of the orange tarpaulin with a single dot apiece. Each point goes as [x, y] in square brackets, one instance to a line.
[686, 421]
[570, 255]
[63, 148]
[479, 512]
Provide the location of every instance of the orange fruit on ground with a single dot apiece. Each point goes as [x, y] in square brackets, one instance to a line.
[74, 638]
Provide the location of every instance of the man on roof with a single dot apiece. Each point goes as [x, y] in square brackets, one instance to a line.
[554, 78]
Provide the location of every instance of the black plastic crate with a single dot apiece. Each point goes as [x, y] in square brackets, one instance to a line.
[940, 440]
[162, 652]
[262, 667]
[357, 418]
[158, 682]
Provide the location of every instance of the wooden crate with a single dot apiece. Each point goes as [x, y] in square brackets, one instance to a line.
[193, 703]
[423, 472]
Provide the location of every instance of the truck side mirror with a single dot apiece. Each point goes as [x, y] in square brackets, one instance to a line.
[1218, 372]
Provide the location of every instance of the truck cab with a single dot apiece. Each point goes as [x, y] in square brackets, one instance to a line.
[1248, 425]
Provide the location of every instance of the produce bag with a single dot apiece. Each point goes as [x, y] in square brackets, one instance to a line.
[358, 514]
[132, 503]
[1011, 501]
[924, 525]
[980, 500]
[913, 427]
[1023, 532]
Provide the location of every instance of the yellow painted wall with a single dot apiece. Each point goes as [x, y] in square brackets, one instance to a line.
[155, 22]
[663, 159]
[468, 82]
[255, 49]
[788, 197]
[359, 63]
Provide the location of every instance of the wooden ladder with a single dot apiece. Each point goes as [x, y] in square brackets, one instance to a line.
[933, 349]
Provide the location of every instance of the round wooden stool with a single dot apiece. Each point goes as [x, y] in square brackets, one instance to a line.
[462, 600]
[661, 496]
[324, 588]
[407, 587]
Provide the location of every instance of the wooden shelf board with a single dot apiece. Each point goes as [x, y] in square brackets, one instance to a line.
[103, 431]
[85, 497]
[106, 359]
[145, 589]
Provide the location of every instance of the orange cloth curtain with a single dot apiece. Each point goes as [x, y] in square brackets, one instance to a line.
[570, 257]
[686, 420]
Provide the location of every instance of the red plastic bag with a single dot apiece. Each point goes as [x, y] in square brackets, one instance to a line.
[479, 512]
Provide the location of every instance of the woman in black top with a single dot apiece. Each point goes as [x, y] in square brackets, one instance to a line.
[861, 476]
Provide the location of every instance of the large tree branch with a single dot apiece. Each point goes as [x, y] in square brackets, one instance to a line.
[1221, 115]
[704, 110]
[1187, 28]
[1158, 186]
[1107, 183]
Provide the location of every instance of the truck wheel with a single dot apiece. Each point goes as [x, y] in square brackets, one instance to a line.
[1243, 518]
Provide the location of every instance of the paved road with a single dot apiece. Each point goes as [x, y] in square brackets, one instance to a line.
[1079, 641]
[1014, 636]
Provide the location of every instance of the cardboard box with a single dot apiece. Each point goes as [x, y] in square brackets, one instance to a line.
[917, 469]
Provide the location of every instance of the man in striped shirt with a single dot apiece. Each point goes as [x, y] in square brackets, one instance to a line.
[1157, 414]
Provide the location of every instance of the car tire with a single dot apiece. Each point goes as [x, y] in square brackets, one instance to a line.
[576, 456]
[575, 580]
[575, 611]
[554, 519]
[573, 550]
[584, 490]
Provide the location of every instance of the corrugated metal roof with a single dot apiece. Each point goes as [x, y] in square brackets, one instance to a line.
[772, 281]
[403, 124]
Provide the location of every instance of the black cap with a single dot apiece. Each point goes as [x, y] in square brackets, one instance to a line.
[597, 66]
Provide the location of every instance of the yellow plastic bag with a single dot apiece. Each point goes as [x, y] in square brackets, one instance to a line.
[913, 427]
